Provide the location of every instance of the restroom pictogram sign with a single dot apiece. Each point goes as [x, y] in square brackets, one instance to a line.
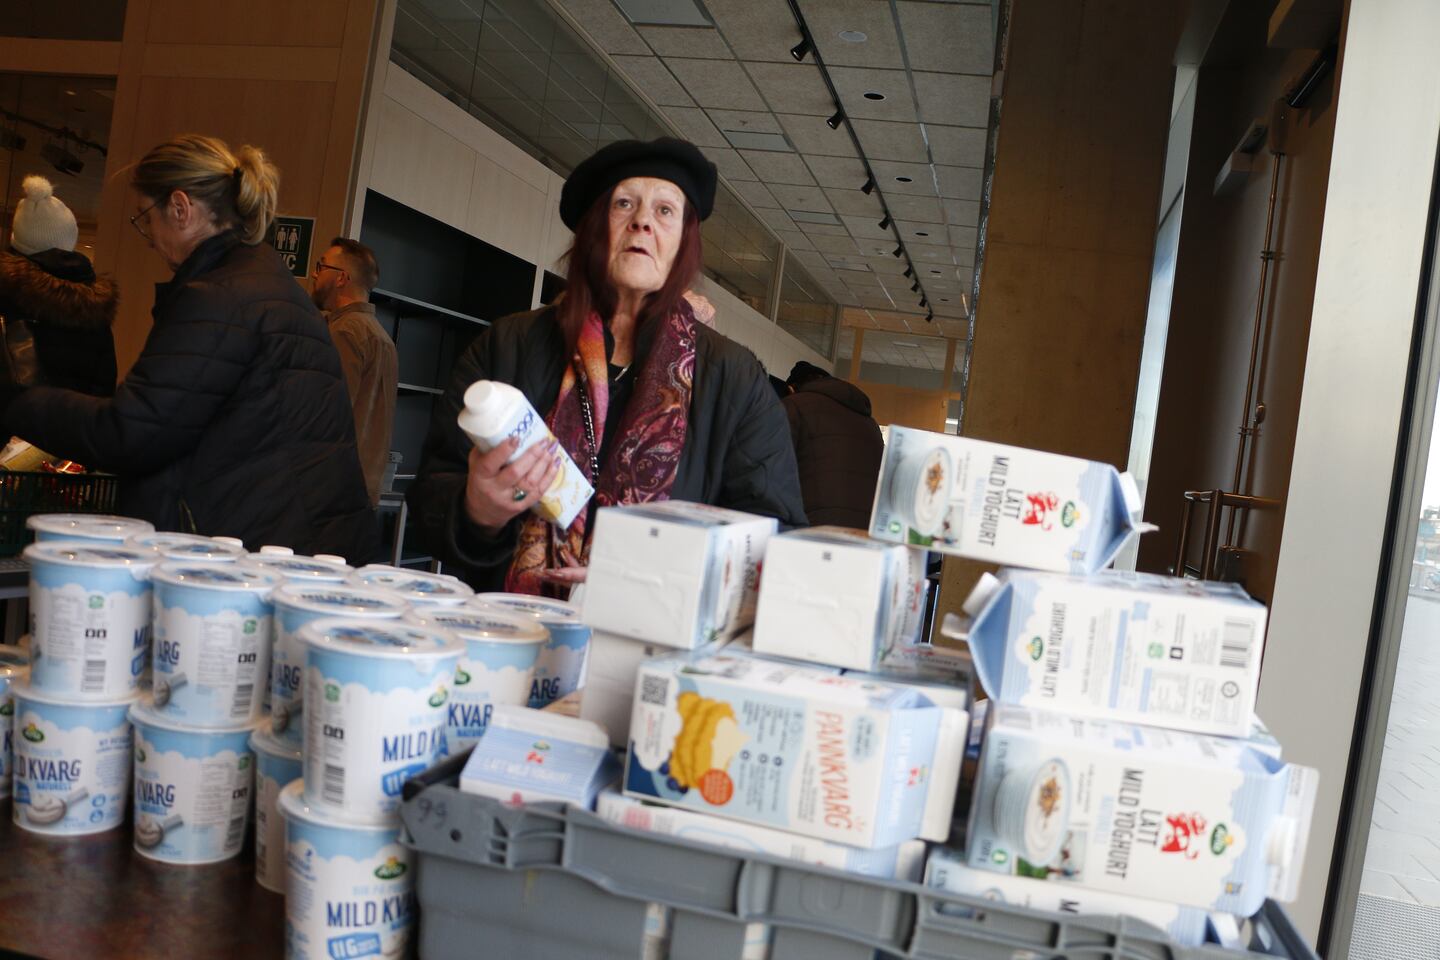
[291, 238]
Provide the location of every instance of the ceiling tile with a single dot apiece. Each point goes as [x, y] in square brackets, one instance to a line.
[913, 232]
[811, 258]
[756, 31]
[918, 180]
[852, 201]
[754, 193]
[606, 26]
[729, 164]
[704, 42]
[778, 168]
[926, 209]
[954, 98]
[750, 121]
[717, 83]
[956, 146]
[959, 330]
[650, 75]
[811, 135]
[795, 239]
[799, 197]
[777, 219]
[852, 83]
[837, 171]
[694, 125]
[828, 18]
[963, 213]
[886, 264]
[824, 230]
[792, 87]
[866, 228]
[961, 183]
[929, 252]
[886, 140]
[950, 38]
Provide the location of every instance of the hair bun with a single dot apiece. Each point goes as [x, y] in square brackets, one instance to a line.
[37, 188]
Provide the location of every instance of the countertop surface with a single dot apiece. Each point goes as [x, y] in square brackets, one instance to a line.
[95, 898]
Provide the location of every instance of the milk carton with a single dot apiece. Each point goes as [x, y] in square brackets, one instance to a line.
[677, 574]
[608, 694]
[530, 756]
[794, 747]
[1003, 504]
[902, 862]
[1174, 653]
[836, 596]
[1139, 811]
[946, 870]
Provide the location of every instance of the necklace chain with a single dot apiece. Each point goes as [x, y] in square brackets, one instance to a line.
[589, 417]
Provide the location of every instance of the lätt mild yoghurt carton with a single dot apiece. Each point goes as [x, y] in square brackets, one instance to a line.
[795, 747]
[674, 573]
[1003, 504]
[1139, 648]
[1141, 811]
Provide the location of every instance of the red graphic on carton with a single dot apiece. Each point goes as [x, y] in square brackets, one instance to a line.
[1185, 832]
[1038, 507]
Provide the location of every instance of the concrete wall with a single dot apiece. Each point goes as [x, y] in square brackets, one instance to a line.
[1216, 283]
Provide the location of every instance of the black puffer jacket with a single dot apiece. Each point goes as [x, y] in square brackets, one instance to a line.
[737, 449]
[234, 420]
[56, 316]
[838, 447]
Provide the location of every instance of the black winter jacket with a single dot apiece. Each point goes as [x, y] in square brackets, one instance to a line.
[234, 420]
[838, 447]
[56, 315]
[737, 449]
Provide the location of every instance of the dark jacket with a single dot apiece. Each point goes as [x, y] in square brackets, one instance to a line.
[234, 420]
[838, 447]
[56, 316]
[737, 450]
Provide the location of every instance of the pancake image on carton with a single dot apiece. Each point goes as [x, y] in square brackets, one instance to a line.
[708, 740]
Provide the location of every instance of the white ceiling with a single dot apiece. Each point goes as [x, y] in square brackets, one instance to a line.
[931, 62]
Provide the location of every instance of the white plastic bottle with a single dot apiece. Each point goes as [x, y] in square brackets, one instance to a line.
[494, 412]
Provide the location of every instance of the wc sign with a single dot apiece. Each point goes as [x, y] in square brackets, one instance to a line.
[291, 236]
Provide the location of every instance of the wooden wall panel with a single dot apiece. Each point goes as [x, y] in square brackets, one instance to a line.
[905, 406]
[314, 23]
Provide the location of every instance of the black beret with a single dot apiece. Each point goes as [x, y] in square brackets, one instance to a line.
[678, 161]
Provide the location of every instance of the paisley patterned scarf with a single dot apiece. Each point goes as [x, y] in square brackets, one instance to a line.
[642, 460]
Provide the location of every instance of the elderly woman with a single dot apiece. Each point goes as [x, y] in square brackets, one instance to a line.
[649, 401]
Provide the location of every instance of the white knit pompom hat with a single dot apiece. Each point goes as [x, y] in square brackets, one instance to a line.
[42, 221]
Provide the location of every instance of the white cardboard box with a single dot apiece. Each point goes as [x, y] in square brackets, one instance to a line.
[835, 596]
[608, 694]
[676, 574]
[529, 756]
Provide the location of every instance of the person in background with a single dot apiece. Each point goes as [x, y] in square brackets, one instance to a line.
[234, 419]
[55, 313]
[340, 286]
[647, 399]
[781, 388]
[837, 444]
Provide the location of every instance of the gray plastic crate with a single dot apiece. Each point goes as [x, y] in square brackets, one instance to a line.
[547, 882]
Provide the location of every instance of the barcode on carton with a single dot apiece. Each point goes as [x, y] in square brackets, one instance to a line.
[92, 680]
[654, 690]
[333, 787]
[235, 832]
[1237, 643]
[243, 694]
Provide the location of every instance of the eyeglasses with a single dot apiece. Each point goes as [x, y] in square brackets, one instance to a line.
[135, 220]
[322, 265]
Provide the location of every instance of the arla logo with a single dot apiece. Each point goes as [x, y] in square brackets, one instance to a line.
[438, 698]
[97, 603]
[461, 677]
[1036, 647]
[1070, 514]
[1220, 839]
[251, 626]
[332, 692]
[139, 754]
[32, 733]
[7, 709]
[390, 869]
[244, 762]
[1184, 833]
[1000, 857]
[1156, 651]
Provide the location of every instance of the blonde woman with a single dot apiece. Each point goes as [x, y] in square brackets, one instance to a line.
[235, 419]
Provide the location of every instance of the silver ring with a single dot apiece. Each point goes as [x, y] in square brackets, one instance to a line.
[518, 495]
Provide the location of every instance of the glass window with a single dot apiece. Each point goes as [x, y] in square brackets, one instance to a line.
[806, 313]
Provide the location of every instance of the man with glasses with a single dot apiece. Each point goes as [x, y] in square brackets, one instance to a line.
[340, 286]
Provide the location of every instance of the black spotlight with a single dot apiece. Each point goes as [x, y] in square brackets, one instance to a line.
[897, 251]
[909, 272]
[885, 224]
[924, 302]
[800, 49]
[915, 287]
[834, 122]
[868, 187]
[930, 317]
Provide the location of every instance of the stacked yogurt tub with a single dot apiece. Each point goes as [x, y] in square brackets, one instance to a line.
[90, 629]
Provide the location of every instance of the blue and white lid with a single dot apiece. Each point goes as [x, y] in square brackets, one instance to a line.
[143, 713]
[339, 600]
[311, 569]
[414, 585]
[72, 553]
[216, 576]
[263, 741]
[544, 609]
[188, 546]
[25, 691]
[293, 806]
[92, 526]
[14, 662]
[475, 623]
[388, 639]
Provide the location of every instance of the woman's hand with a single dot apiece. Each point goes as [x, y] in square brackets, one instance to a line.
[570, 576]
[493, 487]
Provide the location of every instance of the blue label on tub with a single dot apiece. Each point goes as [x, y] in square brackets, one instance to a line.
[353, 944]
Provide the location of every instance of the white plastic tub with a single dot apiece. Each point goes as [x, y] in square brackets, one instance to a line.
[188, 547]
[420, 588]
[562, 662]
[91, 527]
[302, 569]
[192, 789]
[375, 695]
[14, 668]
[277, 765]
[90, 618]
[72, 763]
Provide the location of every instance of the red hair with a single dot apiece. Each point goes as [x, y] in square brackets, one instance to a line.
[587, 282]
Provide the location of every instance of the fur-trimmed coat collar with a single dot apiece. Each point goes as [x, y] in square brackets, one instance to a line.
[39, 296]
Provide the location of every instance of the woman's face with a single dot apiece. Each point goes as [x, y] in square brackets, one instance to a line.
[174, 226]
[647, 219]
